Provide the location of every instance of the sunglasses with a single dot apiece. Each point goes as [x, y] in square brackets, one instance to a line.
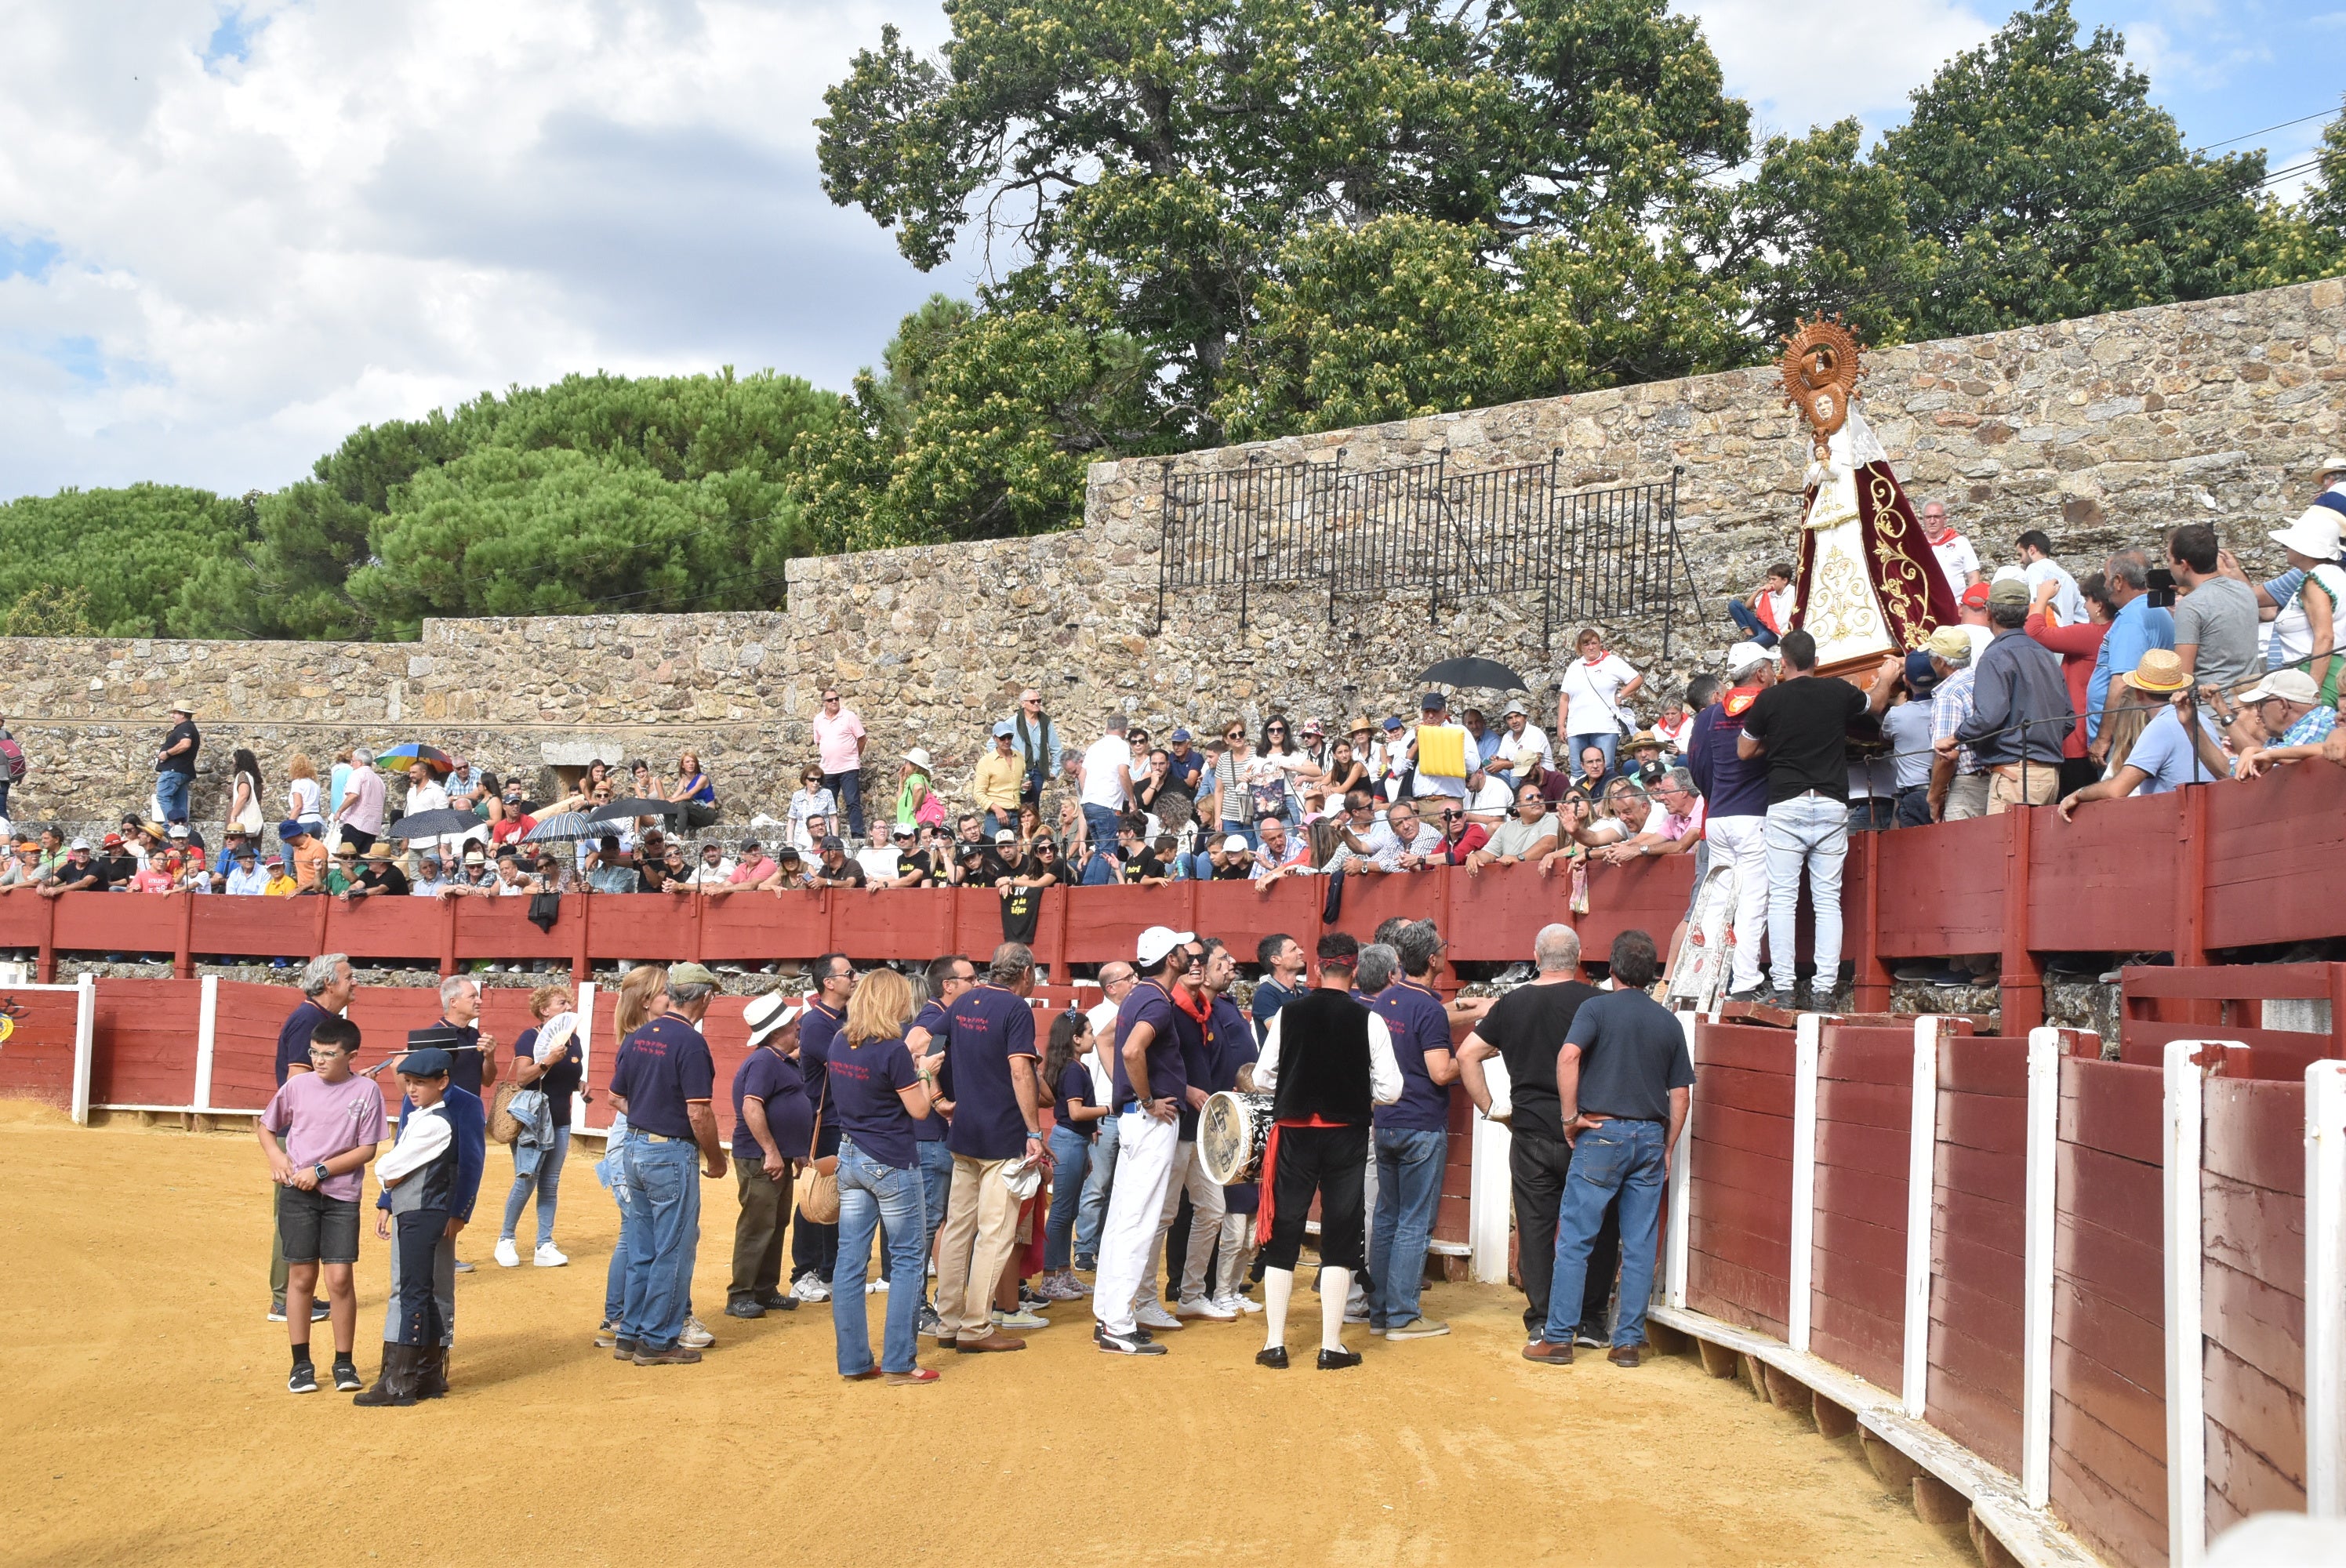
[1235, 735]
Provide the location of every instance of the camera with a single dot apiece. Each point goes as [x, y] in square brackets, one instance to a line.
[2162, 587]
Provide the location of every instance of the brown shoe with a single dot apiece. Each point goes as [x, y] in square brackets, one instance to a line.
[997, 1341]
[1549, 1352]
[674, 1356]
[1622, 1355]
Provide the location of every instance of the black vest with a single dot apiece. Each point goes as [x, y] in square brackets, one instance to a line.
[1323, 1060]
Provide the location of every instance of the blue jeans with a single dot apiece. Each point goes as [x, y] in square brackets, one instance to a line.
[546, 1183]
[1609, 740]
[935, 1161]
[171, 794]
[1873, 814]
[1749, 624]
[1811, 830]
[1409, 1185]
[663, 1226]
[1071, 1155]
[1612, 1158]
[612, 1170]
[847, 789]
[1099, 826]
[1092, 1209]
[869, 1193]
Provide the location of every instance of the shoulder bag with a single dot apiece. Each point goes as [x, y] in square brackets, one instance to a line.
[818, 1194]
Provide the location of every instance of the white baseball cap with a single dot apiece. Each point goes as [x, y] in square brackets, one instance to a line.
[1748, 655]
[1235, 844]
[2287, 685]
[1159, 939]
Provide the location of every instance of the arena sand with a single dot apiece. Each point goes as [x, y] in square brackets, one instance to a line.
[147, 1422]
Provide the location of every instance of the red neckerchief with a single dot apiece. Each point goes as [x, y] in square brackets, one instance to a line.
[1940, 538]
[1180, 996]
[1740, 700]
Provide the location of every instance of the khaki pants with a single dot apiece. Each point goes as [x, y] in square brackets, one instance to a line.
[981, 1229]
[2004, 790]
[1966, 798]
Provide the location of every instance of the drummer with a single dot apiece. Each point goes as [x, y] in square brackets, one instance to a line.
[1230, 1051]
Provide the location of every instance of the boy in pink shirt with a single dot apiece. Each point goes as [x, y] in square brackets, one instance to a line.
[318, 1132]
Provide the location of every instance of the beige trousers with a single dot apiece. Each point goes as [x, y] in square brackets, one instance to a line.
[980, 1231]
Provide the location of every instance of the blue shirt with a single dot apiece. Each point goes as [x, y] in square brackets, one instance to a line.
[931, 1128]
[2138, 628]
[1196, 1068]
[1270, 996]
[985, 1027]
[817, 1026]
[1414, 1017]
[1147, 1002]
[2165, 753]
[865, 1083]
[1632, 1053]
[772, 1079]
[660, 1067]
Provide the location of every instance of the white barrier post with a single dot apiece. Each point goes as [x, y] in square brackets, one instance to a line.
[84, 1045]
[1922, 1163]
[1491, 1190]
[2325, 1289]
[2187, 1424]
[2036, 1268]
[1674, 1268]
[586, 1053]
[1808, 1030]
[206, 1030]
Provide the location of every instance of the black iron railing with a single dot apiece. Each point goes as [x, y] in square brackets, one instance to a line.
[1589, 554]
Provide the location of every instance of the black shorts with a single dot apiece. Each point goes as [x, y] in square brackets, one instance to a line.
[315, 1228]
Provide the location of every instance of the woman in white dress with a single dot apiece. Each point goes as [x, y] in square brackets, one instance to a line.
[1589, 711]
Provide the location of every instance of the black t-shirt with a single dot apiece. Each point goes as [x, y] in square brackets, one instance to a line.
[1238, 871]
[1805, 723]
[1022, 909]
[1527, 1026]
[385, 879]
[560, 1079]
[119, 869]
[1144, 863]
[979, 864]
[848, 873]
[654, 876]
[463, 1062]
[184, 762]
[928, 865]
[94, 872]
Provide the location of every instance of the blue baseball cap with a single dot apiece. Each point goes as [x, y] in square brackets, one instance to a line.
[1393, 724]
[1921, 676]
[1005, 727]
[1182, 735]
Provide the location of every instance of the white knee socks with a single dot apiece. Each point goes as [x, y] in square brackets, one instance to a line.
[1335, 1287]
[1277, 1287]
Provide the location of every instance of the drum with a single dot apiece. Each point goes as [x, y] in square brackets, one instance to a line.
[1232, 1132]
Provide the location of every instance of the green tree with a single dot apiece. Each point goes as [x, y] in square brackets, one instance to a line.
[48, 612]
[127, 551]
[1157, 166]
[2324, 207]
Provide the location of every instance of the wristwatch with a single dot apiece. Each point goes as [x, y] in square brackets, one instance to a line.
[1035, 1133]
[320, 1168]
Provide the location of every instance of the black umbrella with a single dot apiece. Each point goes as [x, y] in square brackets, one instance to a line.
[627, 811]
[433, 824]
[1475, 672]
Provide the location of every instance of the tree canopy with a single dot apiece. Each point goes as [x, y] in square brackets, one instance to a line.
[122, 556]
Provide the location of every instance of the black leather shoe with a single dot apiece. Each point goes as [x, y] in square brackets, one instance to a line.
[775, 1301]
[1333, 1360]
[745, 1309]
[1275, 1358]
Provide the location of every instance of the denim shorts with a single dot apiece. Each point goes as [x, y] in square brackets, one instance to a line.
[315, 1228]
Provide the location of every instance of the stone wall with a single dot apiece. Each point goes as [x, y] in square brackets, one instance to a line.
[2102, 430]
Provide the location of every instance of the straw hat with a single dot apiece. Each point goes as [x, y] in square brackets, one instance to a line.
[381, 852]
[2333, 463]
[2314, 533]
[2161, 673]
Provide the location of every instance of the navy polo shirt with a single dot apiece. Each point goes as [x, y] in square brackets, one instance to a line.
[866, 1084]
[773, 1079]
[1229, 1045]
[931, 1128]
[661, 1066]
[817, 1026]
[1270, 996]
[294, 1038]
[1074, 1088]
[985, 1027]
[1195, 1067]
[1147, 1002]
[1414, 1017]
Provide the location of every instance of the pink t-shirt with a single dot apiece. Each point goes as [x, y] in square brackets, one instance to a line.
[840, 741]
[757, 871]
[319, 1120]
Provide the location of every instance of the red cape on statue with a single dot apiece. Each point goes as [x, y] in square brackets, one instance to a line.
[1912, 591]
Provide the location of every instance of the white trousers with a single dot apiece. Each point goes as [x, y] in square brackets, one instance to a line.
[1744, 841]
[1144, 1169]
[1206, 1210]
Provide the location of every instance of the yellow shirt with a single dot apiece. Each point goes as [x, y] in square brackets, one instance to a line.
[997, 781]
[280, 886]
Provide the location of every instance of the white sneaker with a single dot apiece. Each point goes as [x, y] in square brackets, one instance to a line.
[1022, 1318]
[1235, 1305]
[1200, 1307]
[546, 1257]
[506, 1257]
[876, 1287]
[695, 1336]
[1152, 1315]
[809, 1288]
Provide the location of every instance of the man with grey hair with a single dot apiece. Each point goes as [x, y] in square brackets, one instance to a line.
[1524, 1030]
[472, 1055]
[361, 817]
[663, 1083]
[1116, 979]
[326, 986]
[2138, 626]
[989, 1049]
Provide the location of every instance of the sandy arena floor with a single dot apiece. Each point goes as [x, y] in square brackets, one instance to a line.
[148, 1421]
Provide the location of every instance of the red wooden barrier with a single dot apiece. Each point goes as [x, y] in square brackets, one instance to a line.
[2252, 1312]
[1739, 1232]
[24, 918]
[1980, 1180]
[143, 1050]
[2270, 847]
[1865, 1103]
[2109, 1314]
[36, 1058]
[245, 1022]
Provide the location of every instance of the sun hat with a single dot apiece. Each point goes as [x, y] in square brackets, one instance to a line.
[475, 858]
[1158, 940]
[1745, 656]
[1362, 727]
[112, 840]
[380, 852]
[769, 1015]
[2333, 463]
[1312, 727]
[2161, 673]
[1950, 644]
[2286, 685]
[1643, 738]
[919, 757]
[290, 830]
[183, 707]
[2314, 533]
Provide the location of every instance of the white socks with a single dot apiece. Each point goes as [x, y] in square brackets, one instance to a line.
[1335, 1287]
[1277, 1287]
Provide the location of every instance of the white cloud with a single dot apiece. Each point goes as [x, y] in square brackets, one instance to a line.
[1806, 63]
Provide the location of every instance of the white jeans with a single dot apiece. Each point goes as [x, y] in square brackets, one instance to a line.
[1144, 1169]
[1744, 841]
[1206, 1209]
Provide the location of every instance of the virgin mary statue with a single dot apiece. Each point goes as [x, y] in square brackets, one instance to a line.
[1869, 584]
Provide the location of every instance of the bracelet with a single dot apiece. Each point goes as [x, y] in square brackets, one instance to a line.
[1035, 1133]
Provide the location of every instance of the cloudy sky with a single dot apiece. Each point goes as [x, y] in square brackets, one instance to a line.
[231, 232]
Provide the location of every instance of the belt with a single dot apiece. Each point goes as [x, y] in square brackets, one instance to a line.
[1609, 1117]
[665, 1138]
[1128, 1108]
